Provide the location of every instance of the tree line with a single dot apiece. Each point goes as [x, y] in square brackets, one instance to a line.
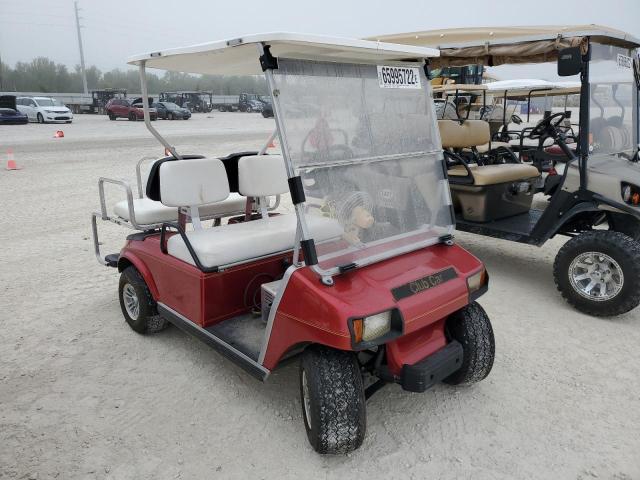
[46, 76]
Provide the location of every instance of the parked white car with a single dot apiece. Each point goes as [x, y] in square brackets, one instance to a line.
[44, 109]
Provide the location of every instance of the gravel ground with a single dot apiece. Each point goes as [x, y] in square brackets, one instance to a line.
[83, 397]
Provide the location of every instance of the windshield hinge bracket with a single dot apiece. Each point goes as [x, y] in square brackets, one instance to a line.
[297, 190]
[347, 267]
[268, 61]
[447, 239]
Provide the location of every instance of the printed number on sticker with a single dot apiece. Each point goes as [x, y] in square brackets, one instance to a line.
[398, 77]
[624, 61]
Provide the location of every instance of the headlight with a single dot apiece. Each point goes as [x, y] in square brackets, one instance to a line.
[630, 194]
[370, 328]
[477, 280]
[49, 111]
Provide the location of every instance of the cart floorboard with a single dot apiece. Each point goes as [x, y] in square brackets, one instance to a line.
[517, 228]
[244, 333]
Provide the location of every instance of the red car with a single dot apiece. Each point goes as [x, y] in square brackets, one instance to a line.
[131, 109]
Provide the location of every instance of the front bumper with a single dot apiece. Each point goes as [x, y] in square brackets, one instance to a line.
[433, 369]
[58, 117]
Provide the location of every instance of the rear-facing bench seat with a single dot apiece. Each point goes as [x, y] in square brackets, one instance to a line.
[148, 212]
[184, 184]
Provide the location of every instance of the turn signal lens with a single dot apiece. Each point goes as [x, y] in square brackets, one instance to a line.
[477, 280]
[357, 330]
[626, 193]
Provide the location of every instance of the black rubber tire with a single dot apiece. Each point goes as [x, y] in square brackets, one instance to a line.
[112, 116]
[623, 223]
[132, 117]
[472, 328]
[148, 320]
[336, 400]
[623, 249]
[40, 118]
[169, 116]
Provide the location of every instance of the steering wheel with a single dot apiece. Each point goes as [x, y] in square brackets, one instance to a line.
[547, 126]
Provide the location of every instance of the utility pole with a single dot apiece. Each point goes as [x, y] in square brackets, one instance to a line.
[84, 73]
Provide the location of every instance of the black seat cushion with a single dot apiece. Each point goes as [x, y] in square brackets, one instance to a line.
[230, 163]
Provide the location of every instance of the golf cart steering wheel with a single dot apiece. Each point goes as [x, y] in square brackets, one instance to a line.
[547, 126]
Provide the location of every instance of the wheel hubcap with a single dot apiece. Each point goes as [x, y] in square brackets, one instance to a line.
[131, 303]
[306, 398]
[596, 276]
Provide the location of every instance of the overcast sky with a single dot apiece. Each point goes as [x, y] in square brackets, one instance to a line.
[116, 29]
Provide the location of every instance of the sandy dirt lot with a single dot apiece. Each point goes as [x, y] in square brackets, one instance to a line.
[84, 397]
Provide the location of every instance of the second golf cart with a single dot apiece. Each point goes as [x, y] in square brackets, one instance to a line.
[595, 198]
[364, 280]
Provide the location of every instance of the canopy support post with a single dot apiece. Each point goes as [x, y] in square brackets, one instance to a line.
[302, 227]
[147, 116]
[585, 97]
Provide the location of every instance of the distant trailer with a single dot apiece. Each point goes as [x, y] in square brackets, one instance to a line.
[245, 102]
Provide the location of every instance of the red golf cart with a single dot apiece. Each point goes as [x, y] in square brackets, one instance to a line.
[364, 281]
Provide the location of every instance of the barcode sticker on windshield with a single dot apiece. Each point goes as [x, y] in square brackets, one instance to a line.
[624, 61]
[398, 77]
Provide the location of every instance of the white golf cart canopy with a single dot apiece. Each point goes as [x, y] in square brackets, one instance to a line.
[499, 45]
[358, 136]
[239, 56]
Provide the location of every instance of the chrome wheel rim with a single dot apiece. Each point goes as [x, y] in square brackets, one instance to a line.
[131, 302]
[596, 276]
[306, 399]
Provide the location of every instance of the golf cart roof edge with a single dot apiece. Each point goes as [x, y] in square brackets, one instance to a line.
[564, 32]
[333, 44]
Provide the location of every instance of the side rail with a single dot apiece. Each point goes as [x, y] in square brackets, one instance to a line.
[139, 173]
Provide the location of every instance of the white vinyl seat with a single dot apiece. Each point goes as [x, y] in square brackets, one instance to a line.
[148, 212]
[182, 183]
[228, 244]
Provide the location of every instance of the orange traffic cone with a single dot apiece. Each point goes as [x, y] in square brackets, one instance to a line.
[59, 134]
[11, 162]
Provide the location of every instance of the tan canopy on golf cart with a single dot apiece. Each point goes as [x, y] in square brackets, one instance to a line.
[500, 45]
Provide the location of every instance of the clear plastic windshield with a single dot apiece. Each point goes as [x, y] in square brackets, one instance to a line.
[613, 124]
[369, 156]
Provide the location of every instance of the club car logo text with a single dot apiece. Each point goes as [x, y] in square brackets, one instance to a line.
[424, 283]
[398, 77]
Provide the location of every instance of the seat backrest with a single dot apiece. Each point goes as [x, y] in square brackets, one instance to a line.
[152, 189]
[262, 176]
[190, 183]
[470, 133]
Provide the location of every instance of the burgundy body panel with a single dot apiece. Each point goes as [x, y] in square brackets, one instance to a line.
[309, 311]
[204, 298]
[312, 312]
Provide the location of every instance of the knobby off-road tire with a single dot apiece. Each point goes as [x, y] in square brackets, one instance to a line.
[472, 328]
[620, 248]
[333, 401]
[147, 319]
